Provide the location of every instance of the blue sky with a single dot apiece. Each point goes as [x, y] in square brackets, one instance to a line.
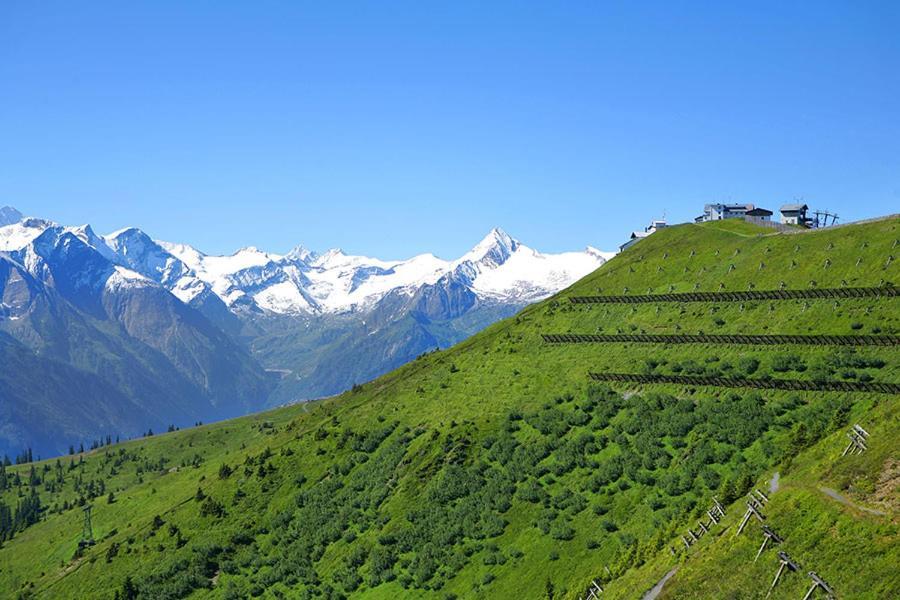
[397, 128]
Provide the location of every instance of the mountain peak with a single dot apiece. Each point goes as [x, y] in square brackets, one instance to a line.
[129, 231]
[331, 254]
[495, 248]
[9, 215]
[86, 234]
[301, 253]
[17, 235]
[86, 229]
[497, 235]
[255, 251]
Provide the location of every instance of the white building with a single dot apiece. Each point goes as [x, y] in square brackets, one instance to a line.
[653, 227]
[794, 214]
[717, 212]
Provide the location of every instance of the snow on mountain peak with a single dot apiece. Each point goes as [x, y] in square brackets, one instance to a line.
[599, 253]
[336, 259]
[125, 278]
[253, 256]
[86, 234]
[498, 268]
[497, 239]
[130, 230]
[493, 250]
[16, 236]
[302, 254]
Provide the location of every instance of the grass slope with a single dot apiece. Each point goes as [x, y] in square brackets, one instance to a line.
[494, 469]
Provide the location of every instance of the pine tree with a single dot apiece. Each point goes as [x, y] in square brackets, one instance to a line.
[728, 492]
[6, 522]
[129, 590]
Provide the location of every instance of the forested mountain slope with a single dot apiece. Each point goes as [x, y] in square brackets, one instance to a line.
[498, 469]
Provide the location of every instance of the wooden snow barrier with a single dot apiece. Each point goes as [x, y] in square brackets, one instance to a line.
[758, 383]
[715, 513]
[785, 562]
[593, 592]
[745, 339]
[768, 536]
[885, 291]
[818, 582]
[755, 501]
[858, 438]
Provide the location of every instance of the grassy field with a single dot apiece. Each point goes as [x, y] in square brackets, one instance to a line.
[494, 469]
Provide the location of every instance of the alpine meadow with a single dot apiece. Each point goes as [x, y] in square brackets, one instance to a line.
[640, 427]
[449, 300]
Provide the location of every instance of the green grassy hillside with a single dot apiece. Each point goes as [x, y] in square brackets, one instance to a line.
[496, 469]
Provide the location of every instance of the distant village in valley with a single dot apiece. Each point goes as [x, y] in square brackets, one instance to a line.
[791, 216]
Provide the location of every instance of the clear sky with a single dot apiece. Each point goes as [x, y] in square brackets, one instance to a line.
[396, 128]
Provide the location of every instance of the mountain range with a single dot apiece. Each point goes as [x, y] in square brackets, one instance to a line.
[120, 334]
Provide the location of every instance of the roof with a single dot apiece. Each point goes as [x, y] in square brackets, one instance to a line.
[759, 212]
[729, 206]
[793, 207]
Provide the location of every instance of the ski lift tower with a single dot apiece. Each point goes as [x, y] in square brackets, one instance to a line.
[87, 532]
[822, 217]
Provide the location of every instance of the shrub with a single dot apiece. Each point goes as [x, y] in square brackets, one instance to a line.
[782, 363]
[225, 471]
[210, 507]
[561, 531]
[747, 365]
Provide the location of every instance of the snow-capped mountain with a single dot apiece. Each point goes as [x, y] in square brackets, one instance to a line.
[170, 330]
[498, 268]
[93, 346]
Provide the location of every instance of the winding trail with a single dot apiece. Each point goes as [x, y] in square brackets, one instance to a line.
[656, 589]
[836, 496]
